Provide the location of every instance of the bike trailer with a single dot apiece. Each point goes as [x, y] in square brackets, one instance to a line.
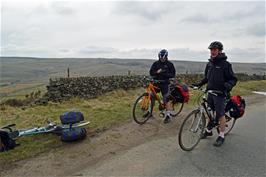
[73, 134]
[71, 117]
[236, 106]
[180, 93]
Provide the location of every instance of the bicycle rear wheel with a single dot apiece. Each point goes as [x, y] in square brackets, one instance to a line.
[230, 122]
[142, 109]
[191, 130]
[177, 108]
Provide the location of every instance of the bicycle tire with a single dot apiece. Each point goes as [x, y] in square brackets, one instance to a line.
[229, 126]
[181, 140]
[176, 112]
[143, 108]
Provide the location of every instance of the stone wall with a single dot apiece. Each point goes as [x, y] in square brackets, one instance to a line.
[60, 89]
[89, 87]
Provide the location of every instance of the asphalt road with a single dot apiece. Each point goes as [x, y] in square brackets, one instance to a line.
[243, 154]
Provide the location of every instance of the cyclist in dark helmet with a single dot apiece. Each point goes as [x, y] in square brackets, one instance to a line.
[218, 76]
[163, 69]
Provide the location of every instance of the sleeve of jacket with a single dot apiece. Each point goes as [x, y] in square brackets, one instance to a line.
[230, 78]
[205, 79]
[153, 70]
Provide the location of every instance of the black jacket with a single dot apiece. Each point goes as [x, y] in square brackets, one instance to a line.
[168, 70]
[219, 74]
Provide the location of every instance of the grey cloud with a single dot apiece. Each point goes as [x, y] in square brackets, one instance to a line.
[198, 18]
[64, 50]
[151, 11]
[256, 30]
[243, 11]
[188, 54]
[27, 51]
[246, 55]
[97, 50]
[62, 8]
[144, 53]
[255, 8]
[39, 10]
[251, 10]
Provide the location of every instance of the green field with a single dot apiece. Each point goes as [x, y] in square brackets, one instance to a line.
[20, 90]
[108, 110]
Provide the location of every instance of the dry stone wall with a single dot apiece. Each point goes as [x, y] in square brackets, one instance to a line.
[60, 89]
[89, 87]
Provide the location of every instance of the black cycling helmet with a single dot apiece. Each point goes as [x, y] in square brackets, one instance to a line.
[163, 54]
[216, 45]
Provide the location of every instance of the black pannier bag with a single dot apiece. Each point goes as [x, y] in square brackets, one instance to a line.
[6, 142]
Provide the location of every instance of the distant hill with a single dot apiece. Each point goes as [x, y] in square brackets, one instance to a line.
[26, 69]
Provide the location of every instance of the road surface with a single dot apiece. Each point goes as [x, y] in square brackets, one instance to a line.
[243, 154]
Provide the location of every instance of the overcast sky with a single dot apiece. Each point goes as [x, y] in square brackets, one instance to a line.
[127, 29]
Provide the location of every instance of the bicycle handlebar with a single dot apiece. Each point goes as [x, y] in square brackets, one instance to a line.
[213, 92]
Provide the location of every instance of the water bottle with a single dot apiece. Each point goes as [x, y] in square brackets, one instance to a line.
[161, 98]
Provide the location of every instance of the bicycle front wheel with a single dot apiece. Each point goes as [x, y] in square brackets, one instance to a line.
[142, 109]
[191, 130]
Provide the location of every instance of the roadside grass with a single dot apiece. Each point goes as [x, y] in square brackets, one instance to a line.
[246, 88]
[110, 109]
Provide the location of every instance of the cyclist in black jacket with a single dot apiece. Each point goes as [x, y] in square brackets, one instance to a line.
[163, 70]
[219, 76]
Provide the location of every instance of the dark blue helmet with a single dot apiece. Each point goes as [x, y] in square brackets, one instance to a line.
[163, 54]
[216, 45]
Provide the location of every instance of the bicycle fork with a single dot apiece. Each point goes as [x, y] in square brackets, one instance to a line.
[195, 125]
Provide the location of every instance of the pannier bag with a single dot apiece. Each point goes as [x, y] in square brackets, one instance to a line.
[236, 106]
[6, 142]
[73, 134]
[180, 93]
[71, 117]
